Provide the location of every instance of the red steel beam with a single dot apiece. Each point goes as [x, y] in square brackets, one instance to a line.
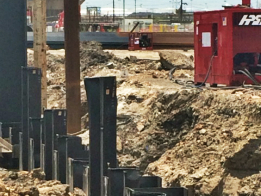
[169, 38]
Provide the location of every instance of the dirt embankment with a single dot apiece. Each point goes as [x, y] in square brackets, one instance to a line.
[213, 141]
[208, 141]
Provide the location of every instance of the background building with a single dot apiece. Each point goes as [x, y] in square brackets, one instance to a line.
[53, 8]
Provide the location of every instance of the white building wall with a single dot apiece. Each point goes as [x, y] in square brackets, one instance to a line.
[128, 24]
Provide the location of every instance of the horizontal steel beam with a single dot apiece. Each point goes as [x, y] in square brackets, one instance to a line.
[5, 147]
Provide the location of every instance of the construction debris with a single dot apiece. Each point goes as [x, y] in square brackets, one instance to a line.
[170, 59]
[32, 183]
[91, 54]
[206, 140]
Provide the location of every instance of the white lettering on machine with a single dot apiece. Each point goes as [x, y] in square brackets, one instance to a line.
[250, 20]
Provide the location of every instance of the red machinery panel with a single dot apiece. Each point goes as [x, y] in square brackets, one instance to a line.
[141, 41]
[225, 42]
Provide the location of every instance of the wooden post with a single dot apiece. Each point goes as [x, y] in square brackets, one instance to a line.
[44, 62]
[39, 26]
[72, 65]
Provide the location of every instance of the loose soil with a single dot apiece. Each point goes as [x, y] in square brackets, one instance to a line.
[207, 140]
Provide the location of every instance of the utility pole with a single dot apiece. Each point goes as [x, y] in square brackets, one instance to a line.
[39, 26]
[135, 10]
[172, 4]
[113, 17]
[72, 65]
[123, 16]
[181, 10]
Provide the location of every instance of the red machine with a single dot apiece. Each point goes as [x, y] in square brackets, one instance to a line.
[227, 47]
[141, 40]
[61, 18]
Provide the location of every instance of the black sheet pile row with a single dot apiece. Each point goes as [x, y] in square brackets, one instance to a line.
[42, 142]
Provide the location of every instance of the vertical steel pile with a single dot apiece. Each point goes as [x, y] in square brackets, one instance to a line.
[31, 107]
[102, 105]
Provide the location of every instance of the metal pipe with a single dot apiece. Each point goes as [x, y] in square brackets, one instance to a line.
[72, 65]
[249, 76]
[246, 2]
[21, 151]
[135, 27]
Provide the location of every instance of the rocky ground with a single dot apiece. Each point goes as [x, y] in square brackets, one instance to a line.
[32, 184]
[205, 139]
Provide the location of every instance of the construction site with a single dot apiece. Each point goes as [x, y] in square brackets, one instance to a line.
[132, 112]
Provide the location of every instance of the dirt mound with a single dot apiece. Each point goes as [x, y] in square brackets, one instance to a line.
[91, 54]
[208, 141]
[222, 140]
[166, 120]
[171, 59]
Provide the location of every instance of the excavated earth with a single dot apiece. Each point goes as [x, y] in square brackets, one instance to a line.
[205, 139]
[32, 184]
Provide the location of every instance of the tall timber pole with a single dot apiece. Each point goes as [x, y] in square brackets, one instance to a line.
[39, 26]
[72, 65]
